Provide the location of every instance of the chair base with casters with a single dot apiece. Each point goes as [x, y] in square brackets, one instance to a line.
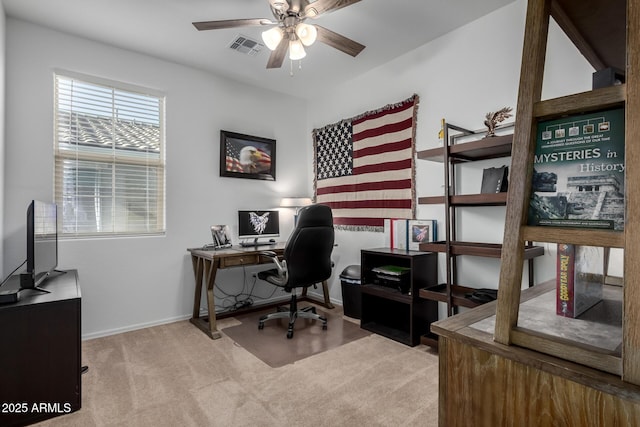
[292, 315]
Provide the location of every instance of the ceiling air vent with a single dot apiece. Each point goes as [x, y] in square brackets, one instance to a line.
[244, 44]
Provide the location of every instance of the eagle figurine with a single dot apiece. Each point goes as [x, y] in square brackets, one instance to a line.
[492, 120]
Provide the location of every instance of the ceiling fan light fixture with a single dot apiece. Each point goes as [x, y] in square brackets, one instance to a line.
[272, 37]
[277, 4]
[296, 50]
[306, 33]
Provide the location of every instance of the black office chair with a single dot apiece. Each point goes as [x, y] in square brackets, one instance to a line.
[306, 262]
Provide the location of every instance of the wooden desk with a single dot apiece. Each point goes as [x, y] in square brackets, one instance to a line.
[205, 267]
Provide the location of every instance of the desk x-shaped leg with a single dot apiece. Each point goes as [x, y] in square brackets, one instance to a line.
[205, 271]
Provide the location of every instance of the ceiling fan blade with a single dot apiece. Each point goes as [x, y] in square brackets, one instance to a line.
[338, 41]
[277, 56]
[321, 6]
[231, 23]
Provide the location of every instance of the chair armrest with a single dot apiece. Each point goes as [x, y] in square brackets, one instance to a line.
[281, 265]
[268, 254]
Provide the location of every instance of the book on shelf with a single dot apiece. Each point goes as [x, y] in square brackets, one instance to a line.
[394, 230]
[391, 270]
[578, 172]
[409, 233]
[579, 279]
[495, 180]
[421, 231]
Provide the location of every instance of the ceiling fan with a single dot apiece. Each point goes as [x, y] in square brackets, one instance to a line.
[290, 32]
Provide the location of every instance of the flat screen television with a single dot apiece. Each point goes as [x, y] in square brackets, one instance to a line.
[42, 243]
[254, 224]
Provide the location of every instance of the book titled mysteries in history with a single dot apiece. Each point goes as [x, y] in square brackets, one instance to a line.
[579, 279]
[578, 176]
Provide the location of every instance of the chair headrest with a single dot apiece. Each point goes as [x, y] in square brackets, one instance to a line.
[315, 216]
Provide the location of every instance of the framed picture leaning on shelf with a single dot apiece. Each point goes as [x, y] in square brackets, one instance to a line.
[246, 156]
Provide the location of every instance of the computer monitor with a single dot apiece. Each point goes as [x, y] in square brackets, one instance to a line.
[255, 224]
[42, 244]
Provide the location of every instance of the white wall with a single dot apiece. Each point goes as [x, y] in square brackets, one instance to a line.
[460, 76]
[2, 122]
[132, 282]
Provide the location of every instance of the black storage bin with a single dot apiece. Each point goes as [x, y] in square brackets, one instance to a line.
[351, 296]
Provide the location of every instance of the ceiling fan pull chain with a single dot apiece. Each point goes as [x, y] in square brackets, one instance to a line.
[291, 67]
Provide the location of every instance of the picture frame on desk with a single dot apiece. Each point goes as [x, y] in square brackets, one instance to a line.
[247, 156]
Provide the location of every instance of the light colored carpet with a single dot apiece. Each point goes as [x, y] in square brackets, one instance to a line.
[174, 375]
[272, 346]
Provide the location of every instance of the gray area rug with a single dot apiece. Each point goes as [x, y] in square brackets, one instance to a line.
[272, 346]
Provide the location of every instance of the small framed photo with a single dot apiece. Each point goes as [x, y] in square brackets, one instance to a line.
[246, 156]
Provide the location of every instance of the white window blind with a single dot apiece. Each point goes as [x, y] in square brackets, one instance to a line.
[109, 159]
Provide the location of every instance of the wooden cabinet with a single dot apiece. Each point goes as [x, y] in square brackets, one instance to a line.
[387, 310]
[40, 357]
[455, 153]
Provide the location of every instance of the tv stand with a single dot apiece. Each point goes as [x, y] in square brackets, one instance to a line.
[35, 288]
[40, 357]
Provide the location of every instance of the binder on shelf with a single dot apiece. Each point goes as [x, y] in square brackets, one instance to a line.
[421, 231]
[409, 233]
[495, 180]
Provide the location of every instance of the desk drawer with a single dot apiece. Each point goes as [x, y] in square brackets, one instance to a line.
[244, 259]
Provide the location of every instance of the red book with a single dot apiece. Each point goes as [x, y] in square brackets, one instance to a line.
[579, 278]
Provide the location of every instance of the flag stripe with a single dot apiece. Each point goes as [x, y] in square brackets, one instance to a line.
[366, 186]
[358, 180]
[397, 110]
[382, 130]
[381, 160]
[365, 195]
[389, 166]
[382, 139]
[396, 147]
[371, 213]
[367, 204]
[355, 221]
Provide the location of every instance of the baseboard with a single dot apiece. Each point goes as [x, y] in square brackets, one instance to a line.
[203, 313]
[129, 328]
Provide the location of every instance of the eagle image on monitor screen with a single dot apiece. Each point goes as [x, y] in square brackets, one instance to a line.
[259, 222]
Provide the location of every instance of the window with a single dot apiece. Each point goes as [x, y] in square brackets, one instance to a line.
[109, 158]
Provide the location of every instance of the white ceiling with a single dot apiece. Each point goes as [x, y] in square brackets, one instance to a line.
[162, 28]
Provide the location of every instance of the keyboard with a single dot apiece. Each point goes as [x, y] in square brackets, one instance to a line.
[251, 244]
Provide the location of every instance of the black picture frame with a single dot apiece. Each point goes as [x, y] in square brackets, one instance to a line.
[234, 163]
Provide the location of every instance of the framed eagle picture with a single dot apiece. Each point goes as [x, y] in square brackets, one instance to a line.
[246, 156]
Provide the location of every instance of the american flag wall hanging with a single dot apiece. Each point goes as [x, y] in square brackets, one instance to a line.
[364, 167]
